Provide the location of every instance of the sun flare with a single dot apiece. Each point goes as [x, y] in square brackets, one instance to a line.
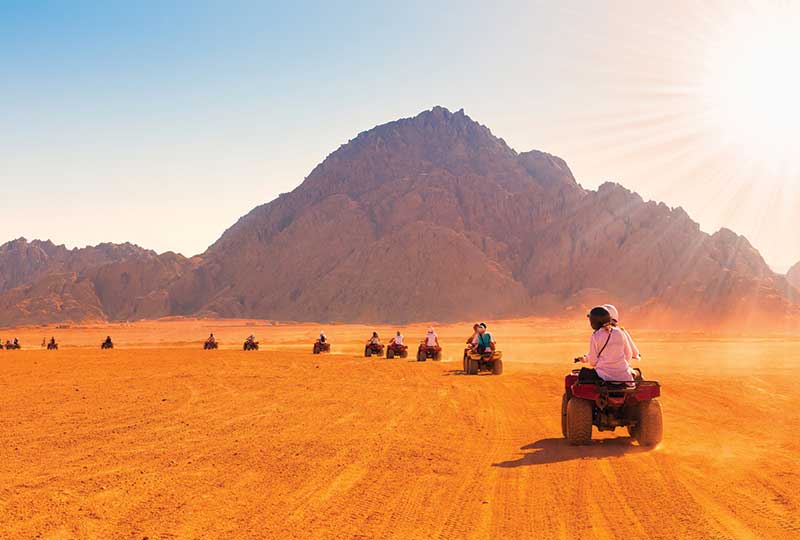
[752, 85]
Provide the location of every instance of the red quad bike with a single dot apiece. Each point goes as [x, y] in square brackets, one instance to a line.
[250, 346]
[320, 347]
[424, 352]
[609, 405]
[211, 345]
[475, 362]
[396, 350]
[373, 349]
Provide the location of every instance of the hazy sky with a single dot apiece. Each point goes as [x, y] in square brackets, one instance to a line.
[162, 122]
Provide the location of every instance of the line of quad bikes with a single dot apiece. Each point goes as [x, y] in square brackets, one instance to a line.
[606, 405]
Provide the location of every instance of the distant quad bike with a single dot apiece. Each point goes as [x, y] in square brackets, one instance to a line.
[424, 352]
[211, 345]
[11, 346]
[52, 346]
[396, 350]
[475, 362]
[250, 346]
[320, 347]
[609, 405]
[373, 349]
[106, 345]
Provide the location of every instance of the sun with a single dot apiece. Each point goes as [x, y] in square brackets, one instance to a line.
[752, 85]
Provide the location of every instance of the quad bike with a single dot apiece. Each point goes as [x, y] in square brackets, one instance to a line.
[425, 351]
[320, 347]
[250, 346]
[211, 345]
[10, 346]
[52, 346]
[373, 349]
[396, 350]
[475, 362]
[106, 345]
[608, 405]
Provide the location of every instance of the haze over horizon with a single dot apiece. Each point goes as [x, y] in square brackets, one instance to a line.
[161, 125]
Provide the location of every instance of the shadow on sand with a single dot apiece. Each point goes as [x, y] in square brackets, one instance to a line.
[556, 450]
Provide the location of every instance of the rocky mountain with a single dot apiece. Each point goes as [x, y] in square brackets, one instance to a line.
[433, 217]
[43, 282]
[427, 218]
[793, 275]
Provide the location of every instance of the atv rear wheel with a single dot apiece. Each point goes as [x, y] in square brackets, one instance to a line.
[465, 363]
[437, 356]
[389, 354]
[651, 426]
[404, 354]
[472, 366]
[579, 421]
[497, 367]
[316, 349]
[367, 352]
[421, 357]
[564, 401]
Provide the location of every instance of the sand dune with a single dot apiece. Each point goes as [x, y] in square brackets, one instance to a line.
[160, 440]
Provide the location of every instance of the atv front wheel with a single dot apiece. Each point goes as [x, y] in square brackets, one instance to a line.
[651, 426]
[579, 421]
[497, 367]
[316, 349]
[564, 401]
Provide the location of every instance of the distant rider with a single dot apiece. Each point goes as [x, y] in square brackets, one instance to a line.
[397, 340]
[211, 339]
[431, 339]
[610, 353]
[485, 342]
[374, 340]
[322, 337]
[472, 341]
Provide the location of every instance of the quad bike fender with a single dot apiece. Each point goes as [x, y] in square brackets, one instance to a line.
[496, 355]
[647, 392]
[585, 391]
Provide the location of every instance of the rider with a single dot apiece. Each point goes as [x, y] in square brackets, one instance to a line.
[610, 354]
[374, 340]
[397, 339]
[472, 342]
[251, 338]
[322, 337]
[431, 339]
[52, 340]
[211, 339]
[484, 340]
[615, 321]
[108, 340]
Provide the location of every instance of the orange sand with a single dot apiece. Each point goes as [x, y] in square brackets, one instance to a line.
[161, 440]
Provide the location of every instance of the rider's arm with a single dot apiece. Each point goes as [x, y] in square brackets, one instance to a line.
[634, 348]
[627, 348]
[591, 357]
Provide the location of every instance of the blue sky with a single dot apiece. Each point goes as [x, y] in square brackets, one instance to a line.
[161, 123]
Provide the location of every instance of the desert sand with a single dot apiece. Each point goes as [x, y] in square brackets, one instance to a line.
[159, 439]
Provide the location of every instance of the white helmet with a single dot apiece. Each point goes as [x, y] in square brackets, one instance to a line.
[613, 311]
